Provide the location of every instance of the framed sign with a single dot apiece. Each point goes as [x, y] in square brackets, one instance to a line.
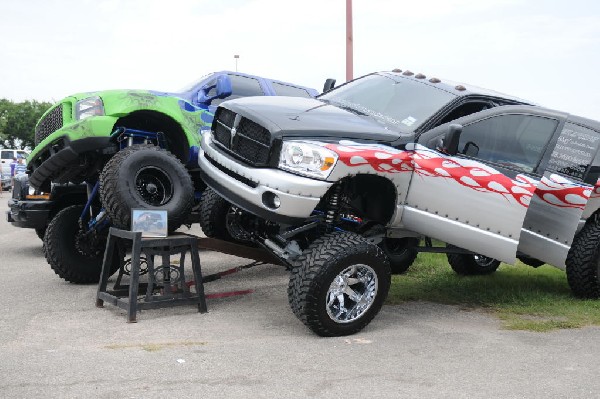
[149, 223]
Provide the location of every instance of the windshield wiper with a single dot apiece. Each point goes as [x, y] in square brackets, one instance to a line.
[347, 108]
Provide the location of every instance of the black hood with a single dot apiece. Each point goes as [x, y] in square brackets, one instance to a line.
[308, 118]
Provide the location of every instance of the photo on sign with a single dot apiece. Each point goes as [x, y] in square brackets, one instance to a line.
[149, 223]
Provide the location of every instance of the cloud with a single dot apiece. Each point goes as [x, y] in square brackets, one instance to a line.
[542, 50]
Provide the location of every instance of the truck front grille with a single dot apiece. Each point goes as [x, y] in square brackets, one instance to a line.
[242, 137]
[51, 123]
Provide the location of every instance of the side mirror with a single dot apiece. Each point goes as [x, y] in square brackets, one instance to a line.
[449, 142]
[222, 88]
[329, 84]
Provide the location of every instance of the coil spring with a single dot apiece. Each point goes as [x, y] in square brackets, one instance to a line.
[334, 206]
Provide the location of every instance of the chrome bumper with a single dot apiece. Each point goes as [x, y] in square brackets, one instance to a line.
[249, 187]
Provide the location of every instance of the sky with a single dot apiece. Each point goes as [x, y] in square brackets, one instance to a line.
[547, 52]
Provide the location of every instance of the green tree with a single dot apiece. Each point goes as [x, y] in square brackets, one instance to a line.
[6, 108]
[18, 120]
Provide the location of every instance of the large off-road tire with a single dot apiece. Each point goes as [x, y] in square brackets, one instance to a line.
[472, 264]
[72, 256]
[219, 219]
[582, 264]
[401, 252]
[213, 211]
[41, 232]
[146, 177]
[339, 284]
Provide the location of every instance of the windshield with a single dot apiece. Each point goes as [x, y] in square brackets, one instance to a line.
[398, 103]
[192, 85]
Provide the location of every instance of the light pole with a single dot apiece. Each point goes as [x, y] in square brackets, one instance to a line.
[349, 41]
[237, 57]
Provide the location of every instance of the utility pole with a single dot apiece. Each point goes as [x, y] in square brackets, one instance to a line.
[349, 41]
[237, 57]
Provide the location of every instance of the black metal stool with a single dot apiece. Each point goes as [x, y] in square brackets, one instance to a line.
[166, 284]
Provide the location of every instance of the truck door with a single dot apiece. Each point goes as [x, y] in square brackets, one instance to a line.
[562, 195]
[478, 198]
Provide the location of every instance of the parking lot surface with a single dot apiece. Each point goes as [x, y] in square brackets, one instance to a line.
[56, 344]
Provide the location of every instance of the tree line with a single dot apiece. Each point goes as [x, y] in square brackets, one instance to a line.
[17, 122]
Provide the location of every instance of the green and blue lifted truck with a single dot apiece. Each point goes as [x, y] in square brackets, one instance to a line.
[98, 155]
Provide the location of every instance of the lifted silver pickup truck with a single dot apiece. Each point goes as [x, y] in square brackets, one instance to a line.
[342, 187]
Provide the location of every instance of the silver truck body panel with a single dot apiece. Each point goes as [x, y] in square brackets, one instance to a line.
[553, 219]
[461, 234]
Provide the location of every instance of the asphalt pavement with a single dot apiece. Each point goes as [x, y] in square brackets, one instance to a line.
[56, 344]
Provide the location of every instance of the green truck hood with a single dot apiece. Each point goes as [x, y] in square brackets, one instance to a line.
[120, 103]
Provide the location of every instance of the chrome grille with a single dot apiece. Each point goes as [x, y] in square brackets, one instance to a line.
[251, 141]
[51, 123]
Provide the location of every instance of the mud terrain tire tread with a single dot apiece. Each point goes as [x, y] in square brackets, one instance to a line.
[41, 232]
[582, 262]
[62, 255]
[213, 211]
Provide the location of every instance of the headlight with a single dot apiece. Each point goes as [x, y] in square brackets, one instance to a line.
[91, 106]
[307, 159]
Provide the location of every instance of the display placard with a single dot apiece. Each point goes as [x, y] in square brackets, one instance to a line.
[151, 223]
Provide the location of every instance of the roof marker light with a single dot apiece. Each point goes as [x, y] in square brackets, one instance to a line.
[434, 80]
[420, 76]
[397, 70]
[407, 73]
[460, 88]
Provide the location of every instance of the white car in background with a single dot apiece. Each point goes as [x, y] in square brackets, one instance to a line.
[6, 157]
[5, 179]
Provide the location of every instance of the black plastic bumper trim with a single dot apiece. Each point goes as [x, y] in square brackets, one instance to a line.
[29, 214]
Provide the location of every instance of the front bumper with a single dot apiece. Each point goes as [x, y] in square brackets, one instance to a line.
[55, 155]
[246, 187]
[28, 214]
[6, 183]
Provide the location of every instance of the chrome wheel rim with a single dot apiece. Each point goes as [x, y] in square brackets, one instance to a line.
[351, 293]
[484, 261]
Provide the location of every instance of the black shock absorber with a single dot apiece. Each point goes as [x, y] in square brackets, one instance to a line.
[333, 208]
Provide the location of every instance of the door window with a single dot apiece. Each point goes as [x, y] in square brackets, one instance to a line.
[512, 141]
[287, 90]
[241, 86]
[574, 152]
